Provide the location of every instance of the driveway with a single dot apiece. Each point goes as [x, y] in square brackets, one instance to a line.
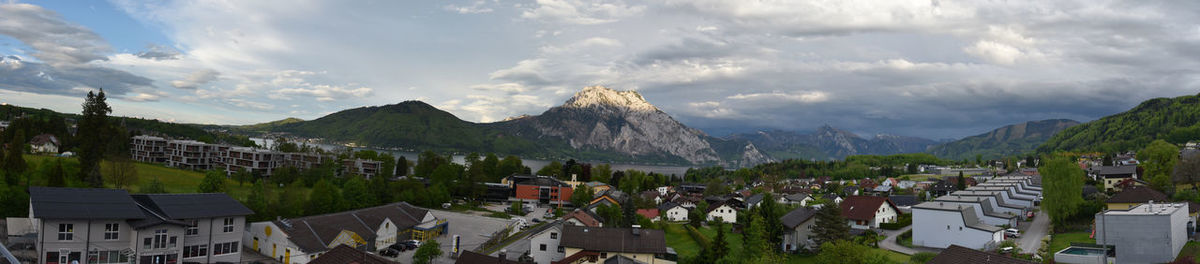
[1032, 233]
[890, 242]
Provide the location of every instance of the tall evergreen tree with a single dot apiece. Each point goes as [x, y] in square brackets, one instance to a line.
[720, 247]
[15, 165]
[56, 177]
[92, 139]
[961, 183]
[830, 225]
[402, 166]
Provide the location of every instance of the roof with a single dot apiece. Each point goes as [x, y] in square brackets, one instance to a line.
[714, 206]
[43, 139]
[754, 199]
[1115, 171]
[864, 207]
[612, 239]
[648, 213]
[80, 203]
[969, 218]
[193, 205]
[904, 200]
[537, 180]
[797, 216]
[153, 218]
[1138, 194]
[343, 254]
[313, 233]
[830, 196]
[621, 259]
[796, 197]
[583, 216]
[667, 206]
[882, 188]
[957, 254]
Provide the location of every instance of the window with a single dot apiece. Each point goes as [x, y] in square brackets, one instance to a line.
[66, 232]
[160, 238]
[542, 247]
[228, 228]
[195, 251]
[225, 248]
[112, 231]
[107, 257]
[603, 255]
[560, 249]
[553, 235]
[146, 243]
[193, 228]
[172, 243]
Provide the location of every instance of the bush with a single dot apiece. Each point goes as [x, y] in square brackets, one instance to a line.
[921, 257]
[700, 239]
[903, 221]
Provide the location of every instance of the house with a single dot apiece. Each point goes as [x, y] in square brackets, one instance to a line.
[470, 257]
[754, 200]
[1146, 233]
[598, 187]
[942, 187]
[881, 190]
[832, 197]
[75, 225]
[867, 212]
[44, 143]
[545, 247]
[541, 189]
[893, 182]
[957, 254]
[609, 198]
[799, 198]
[984, 209]
[940, 225]
[904, 202]
[1129, 182]
[1111, 175]
[599, 244]
[583, 217]
[673, 212]
[363, 167]
[850, 190]
[1135, 196]
[194, 155]
[798, 224]
[651, 214]
[343, 254]
[299, 240]
[696, 188]
[148, 149]
[686, 200]
[996, 199]
[722, 212]
[906, 184]
[652, 195]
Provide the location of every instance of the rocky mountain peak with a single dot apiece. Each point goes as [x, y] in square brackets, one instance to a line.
[604, 97]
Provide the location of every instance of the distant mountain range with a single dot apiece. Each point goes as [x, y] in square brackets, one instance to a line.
[1008, 140]
[828, 142]
[1176, 120]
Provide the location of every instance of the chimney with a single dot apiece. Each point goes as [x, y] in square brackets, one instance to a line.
[503, 254]
[637, 230]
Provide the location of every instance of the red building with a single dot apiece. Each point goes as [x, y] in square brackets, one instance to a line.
[543, 189]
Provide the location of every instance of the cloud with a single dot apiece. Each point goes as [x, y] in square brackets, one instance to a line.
[478, 7]
[796, 96]
[55, 41]
[196, 79]
[325, 93]
[583, 12]
[159, 52]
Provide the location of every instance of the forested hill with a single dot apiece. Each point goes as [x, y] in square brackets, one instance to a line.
[1005, 141]
[32, 122]
[1176, 120]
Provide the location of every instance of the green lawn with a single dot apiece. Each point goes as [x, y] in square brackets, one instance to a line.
[174, 180]
[678, 238]
[893, 256]
[1063, 240]
[1191, 249]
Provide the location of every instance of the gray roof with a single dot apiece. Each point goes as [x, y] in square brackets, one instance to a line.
[1115, 171]
[796, 197]
[992, 194]
[904, 200]
[981, 201]
[667, 206]
[312, 233]
[754, 199]
[797, 217]
[613, 239]
[882, 188]
[193, 205]
[968, 214]
[79, 203]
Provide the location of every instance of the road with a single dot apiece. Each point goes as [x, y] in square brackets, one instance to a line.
[1032, 233]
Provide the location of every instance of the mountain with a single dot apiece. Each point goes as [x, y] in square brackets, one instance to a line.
[828, 142]
[1176, 120]
[622, 122]
[1012, 139]
[269, 125]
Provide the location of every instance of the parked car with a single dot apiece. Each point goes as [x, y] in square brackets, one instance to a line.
[1012, 232]
[537, 220]
[389, 252]
[399, 247]
[1029, 215]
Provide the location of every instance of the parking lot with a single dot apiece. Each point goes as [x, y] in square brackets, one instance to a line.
[473, 229]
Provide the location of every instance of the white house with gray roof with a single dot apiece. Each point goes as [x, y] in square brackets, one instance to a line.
[941, 224]
[299, 240]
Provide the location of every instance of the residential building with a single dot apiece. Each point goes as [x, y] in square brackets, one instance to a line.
[1135, 196]
[540, 189]
[583, 217]
[941, 224]
[599, 244]
[651, 213]
[148, 149]
[366, 168]
[253, 160]
[997, 201]
[193, 155]
[470, 257]
[343, 254]
[545, 246]
[673, 212]
[958, 255]
[1146, 233]
[652, 195]
[797, 198]
[798, 229]
[1130, 182]
[1009, 195]
[721, 212]
[754, 200]
[904, 202]
[112, 226]
[1111, 175]
[299, 240]
[44, 143]
[832, 197]
[867, 212]
[983, 208]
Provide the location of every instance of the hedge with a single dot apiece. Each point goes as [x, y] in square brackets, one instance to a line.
[700, 239]
[905, 220]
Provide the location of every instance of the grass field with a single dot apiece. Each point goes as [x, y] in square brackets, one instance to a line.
[174, 180]
[1063, 240]
[1191, 249]
[684, 245]
[892, 256]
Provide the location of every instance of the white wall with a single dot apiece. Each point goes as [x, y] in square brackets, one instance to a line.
[551, 238]
[676, 214]
[940, 229]
[726, 213]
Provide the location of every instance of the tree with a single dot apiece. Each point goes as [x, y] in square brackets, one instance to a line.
[979, 159]
[961, 182]
[1187, 171]
[121, 172]
[14, 163]
[771, 213]
[355, 194]
[758, 247]
[154, 186]
[1158, 158]
[55, 176]
[830, 225]
[716, 187]
[323, 199]
[1062, 183]
[283, 175]
[509, 165]
[213, 182]
[719, 248]
[259, 201]
[553, 169]
[427, 162]
[290, 202]
[582, 195]
[92, 141]
[602, 173]
[846, 252]
[402, 166]
[491, 167]
[612, 215]
[517, 208]
[696, 216]
[427, 252]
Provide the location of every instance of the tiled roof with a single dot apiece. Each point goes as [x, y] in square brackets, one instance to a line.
[956, 254]
[343, 254]
[863, 207]
[648, 213]
[797, 216]
[1138, 194]
[584, 216]
[81, 203]
[611, 239]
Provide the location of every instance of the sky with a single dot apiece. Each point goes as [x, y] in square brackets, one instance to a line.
[935, 69]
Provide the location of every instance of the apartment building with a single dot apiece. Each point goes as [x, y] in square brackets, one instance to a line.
[148, 149]
[111, 226]
[194, 155]
[253, 160]
[366, 168]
